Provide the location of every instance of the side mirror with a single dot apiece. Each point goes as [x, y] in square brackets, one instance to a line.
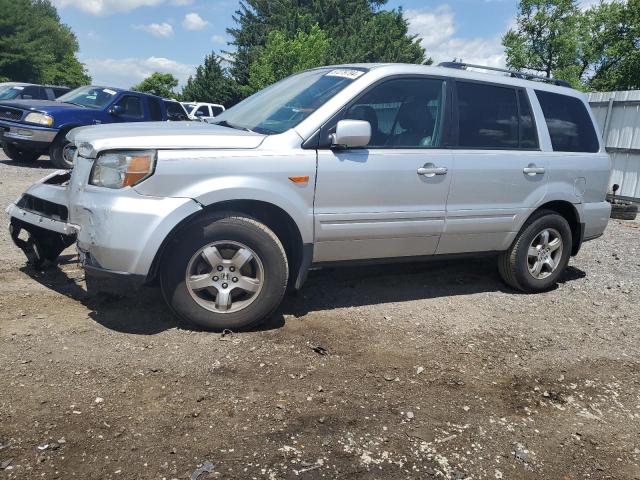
[351, 134]
[116, 110]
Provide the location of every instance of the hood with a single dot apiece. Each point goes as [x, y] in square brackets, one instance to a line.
[163, 136]
[46, 106]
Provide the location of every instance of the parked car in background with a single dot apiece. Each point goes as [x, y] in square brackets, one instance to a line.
[31, 128]
[203, 111]
[175, 111]
[335, 164]
[29, 91]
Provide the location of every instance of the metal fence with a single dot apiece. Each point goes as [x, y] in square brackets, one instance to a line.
[618, 115]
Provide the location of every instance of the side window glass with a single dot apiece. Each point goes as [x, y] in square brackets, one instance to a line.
[216, 111]
[49, 93]
[155, 109]
[488, 116]
[132, 107]
[29, 93]
[403, 113]
[203, 111]
[528, 132]
[570, 126]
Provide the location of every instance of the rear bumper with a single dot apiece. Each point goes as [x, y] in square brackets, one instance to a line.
[26, 136]
[595, 217]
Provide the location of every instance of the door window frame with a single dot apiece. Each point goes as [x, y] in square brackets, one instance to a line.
[456, 117]
[320, 139]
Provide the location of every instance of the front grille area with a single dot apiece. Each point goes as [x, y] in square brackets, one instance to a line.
[43, 207]
[10, 113]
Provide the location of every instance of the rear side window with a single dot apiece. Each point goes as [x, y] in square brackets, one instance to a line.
[175, 112]
[155, 110]
[569, 124]
[487, 116]
[216, 110]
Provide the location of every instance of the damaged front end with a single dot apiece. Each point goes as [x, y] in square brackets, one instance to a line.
[39, 220]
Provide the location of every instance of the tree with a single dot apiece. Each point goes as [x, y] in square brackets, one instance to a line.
[612, 46]
[211, 83]
[160, 84]
[358, 31]
[282, 56]
[594, 49]
[546, 37]
[36, 47]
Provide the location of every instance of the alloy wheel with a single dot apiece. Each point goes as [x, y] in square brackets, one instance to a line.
[225, 276]
[544, 253]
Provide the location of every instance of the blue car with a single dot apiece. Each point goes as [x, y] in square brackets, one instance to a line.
[31, 128]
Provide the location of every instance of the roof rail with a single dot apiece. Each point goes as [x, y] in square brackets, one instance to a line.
[512, 73]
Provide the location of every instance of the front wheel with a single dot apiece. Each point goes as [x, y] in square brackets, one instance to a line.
[20, 155]
[539, 254]
[225, 272]
[62, 152]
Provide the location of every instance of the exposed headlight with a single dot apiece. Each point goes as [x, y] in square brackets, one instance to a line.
[39, 119]
[122, 169]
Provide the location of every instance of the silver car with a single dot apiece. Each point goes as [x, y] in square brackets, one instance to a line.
[334, 164]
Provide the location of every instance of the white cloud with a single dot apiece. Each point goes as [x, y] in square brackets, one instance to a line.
[125, 72]
[218, 40]
[437, 28]
[156, 29]
[193, 21]
[107, 7]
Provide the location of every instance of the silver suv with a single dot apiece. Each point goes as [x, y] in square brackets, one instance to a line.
[354, 162]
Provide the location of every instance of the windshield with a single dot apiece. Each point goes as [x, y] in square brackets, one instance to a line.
[90, 97]
[288, 102]
[9, 92]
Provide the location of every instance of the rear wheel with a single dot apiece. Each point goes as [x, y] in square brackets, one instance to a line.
[539, 254]
[62, 152]
[20, 155]
[225, 272]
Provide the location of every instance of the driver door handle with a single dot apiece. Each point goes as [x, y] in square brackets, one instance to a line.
[430, 170]
[532, 170]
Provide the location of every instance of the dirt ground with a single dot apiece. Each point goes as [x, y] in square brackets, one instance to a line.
[427, 370]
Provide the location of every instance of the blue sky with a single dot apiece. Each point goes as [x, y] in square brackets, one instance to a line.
[122, 41]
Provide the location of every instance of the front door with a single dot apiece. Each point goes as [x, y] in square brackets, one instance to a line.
[388, 199]
[500, 172]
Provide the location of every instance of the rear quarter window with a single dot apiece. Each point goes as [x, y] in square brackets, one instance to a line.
[569, 123]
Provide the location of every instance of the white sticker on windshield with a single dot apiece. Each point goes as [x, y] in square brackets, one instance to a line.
[345, 73]
[18, 88]
[109, 91]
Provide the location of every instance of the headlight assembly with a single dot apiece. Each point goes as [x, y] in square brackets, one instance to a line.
[39, 119]
[122, 169]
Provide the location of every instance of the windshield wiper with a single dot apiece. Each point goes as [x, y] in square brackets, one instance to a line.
[77, 104]
[224, 123]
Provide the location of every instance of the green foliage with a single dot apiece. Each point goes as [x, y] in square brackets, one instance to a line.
[274, 38]
[211, 83]
[36, 47]
[160, 84]
[612, 46]
[595, 49]
[546, 36]
[282, 57]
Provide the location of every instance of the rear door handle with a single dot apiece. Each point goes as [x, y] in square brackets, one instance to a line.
[532, 170]
[430, 170]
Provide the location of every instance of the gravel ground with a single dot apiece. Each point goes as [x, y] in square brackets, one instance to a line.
[427, 370]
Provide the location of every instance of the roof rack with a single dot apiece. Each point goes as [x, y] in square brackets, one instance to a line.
[512, 73]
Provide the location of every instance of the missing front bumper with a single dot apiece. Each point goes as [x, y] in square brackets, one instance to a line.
[39, 244]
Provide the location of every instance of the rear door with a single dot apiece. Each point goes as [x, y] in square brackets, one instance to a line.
[386, 200]
[500, 173]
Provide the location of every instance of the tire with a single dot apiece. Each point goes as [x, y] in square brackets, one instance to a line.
[514, 264]
[19, 155]
[624, 211]
[60, 151]
[192, 256]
